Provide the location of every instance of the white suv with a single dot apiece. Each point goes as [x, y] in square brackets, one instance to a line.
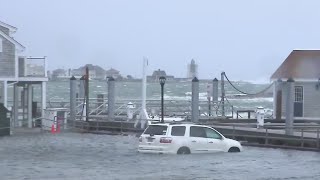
[185, 139]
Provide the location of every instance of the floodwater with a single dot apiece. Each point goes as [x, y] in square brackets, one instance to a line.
[88, 156]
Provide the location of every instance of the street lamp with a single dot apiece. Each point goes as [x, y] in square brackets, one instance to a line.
[162, 81]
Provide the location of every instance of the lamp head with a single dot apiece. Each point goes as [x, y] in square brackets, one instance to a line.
[162, 80]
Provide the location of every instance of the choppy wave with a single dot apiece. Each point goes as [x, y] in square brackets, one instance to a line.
[173, 91]
[74, 156]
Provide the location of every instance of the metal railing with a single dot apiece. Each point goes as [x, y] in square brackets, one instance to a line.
[98, 106]
[288, 141]
[32, 67]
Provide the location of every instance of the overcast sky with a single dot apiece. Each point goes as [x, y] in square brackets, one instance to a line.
[246, 39]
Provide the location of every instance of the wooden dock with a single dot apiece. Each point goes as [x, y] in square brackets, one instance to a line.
[305, 137]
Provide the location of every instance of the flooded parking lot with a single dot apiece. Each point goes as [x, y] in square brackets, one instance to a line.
[89, 156]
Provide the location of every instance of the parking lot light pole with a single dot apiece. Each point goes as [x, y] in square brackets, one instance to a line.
[162, 81]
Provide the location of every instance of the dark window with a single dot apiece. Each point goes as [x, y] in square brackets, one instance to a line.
[298, 101]
[178, 130]
[298, 94]
[212, 134]
[156, 130]
[197, 132]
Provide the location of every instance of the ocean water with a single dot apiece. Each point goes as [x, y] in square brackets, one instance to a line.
[59, 91]
[173, 91]
[73, 156]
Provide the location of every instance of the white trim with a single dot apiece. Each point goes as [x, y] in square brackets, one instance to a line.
[303, 118]
[275, 100]
[5, 93]
[1, 45]
[29, 106]
[12, 29]
[307, 118]
[43, 79]
[18, 45]
[294, 98]
[45, 67]
[8, 79]
[15, 105]
[301, 49]
[16, 64]
[43, 97]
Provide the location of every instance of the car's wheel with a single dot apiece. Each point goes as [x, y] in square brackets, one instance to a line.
[234, 149]
[183, 150]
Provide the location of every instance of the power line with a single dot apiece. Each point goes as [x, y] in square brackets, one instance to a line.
[260, 92]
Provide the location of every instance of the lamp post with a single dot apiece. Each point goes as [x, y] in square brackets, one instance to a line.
[162, 81]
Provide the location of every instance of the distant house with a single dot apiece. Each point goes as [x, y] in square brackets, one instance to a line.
[92, 73]
[304, 67]
[157, 74]
[95, 72]
[77, 72]
[59, 73]
[22, 72]
[129, 77]
[113, 73]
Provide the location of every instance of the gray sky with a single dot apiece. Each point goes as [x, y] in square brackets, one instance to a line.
[246, 39]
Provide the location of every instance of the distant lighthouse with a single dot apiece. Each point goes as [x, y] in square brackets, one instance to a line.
[192, 70]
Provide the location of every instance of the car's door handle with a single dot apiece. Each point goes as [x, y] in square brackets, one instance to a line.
[210, 142]
[193, 141]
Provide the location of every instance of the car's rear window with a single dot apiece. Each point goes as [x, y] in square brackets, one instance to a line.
[156, 130]
[178, 130]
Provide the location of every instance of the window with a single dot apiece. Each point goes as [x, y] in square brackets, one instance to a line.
[178, 130]
[0, 44]
[298, 94]
[156, 130]
[204, 132]
[197, 132]
[212, 134]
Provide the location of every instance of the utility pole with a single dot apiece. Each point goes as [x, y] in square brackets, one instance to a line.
[222, 94]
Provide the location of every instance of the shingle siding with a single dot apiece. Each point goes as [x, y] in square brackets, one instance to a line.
[7, 59]
[311, 99]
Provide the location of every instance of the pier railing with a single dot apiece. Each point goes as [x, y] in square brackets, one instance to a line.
[32, 67]
[98, 106]
[305, 137]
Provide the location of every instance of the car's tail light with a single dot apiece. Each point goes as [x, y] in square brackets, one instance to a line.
[140, 139]
[165, 140]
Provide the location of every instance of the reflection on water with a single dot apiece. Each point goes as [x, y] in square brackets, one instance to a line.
[88, 156]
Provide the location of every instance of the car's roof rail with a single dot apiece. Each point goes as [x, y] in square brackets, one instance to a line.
[157, 122]
[181, 122]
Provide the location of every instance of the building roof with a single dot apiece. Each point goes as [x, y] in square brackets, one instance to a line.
[59, 71]
[11, 28]
[112, 71]
[159, 73]
[300, 64]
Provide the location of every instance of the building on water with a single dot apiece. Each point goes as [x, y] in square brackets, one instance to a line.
[303, 67]
[113, 73]
[22, 73]
[157, 74]
[192, 70]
